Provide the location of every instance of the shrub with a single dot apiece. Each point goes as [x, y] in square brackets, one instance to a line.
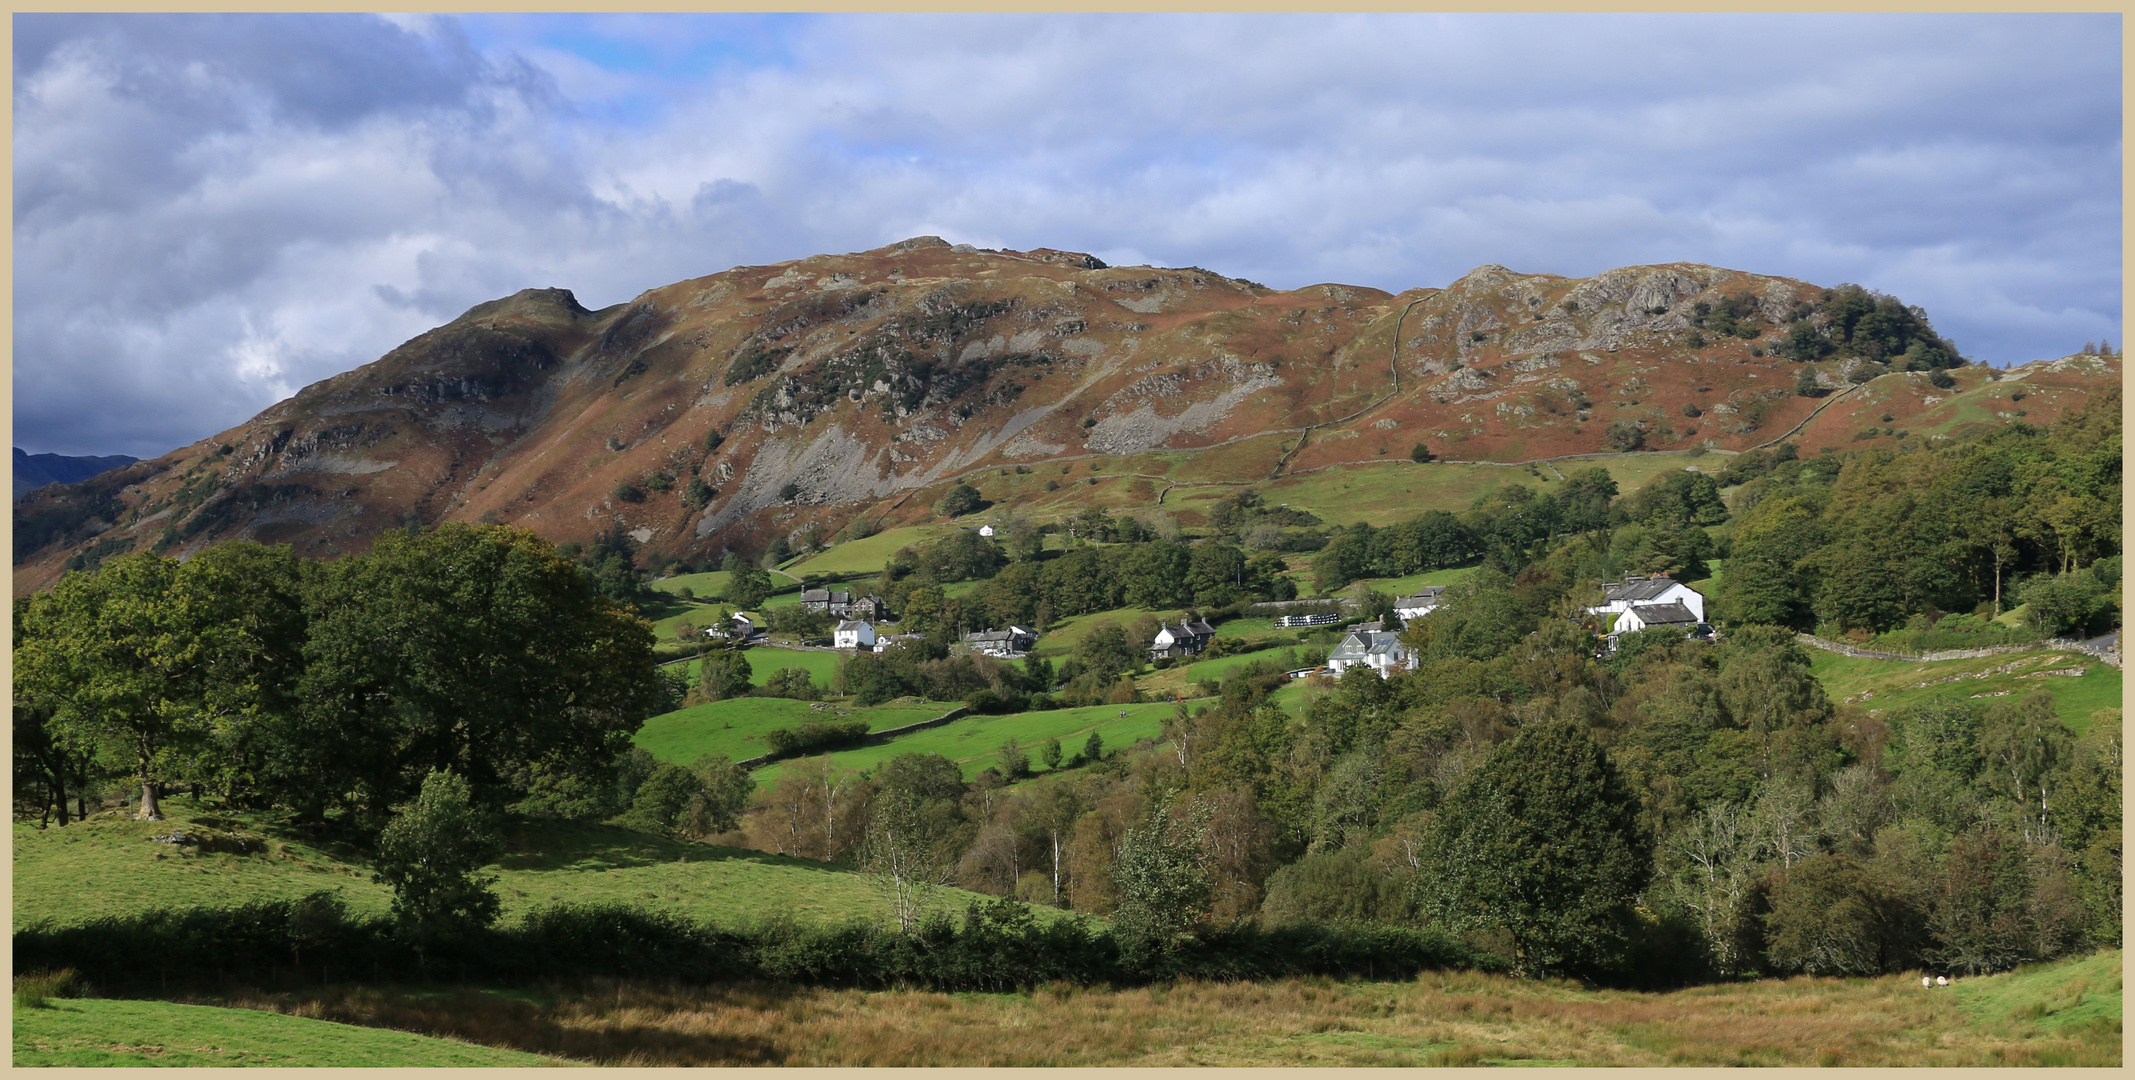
[787, 493]
[629, 493]
[1420, 453]
[961, 499]
[1941, 380]
[1625, 436]
[36, 989]
[814, 738]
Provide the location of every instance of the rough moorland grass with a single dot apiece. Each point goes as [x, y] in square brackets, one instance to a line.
[974, 741]
[1896, 684]
[90, 1032]
[1385, 492]
[1440, 1018]
[2079, 992]
[736, 728]
[108, 866]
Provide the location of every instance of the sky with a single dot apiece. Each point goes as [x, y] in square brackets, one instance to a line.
[212, 211]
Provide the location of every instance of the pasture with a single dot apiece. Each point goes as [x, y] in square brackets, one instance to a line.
[974, 741]
[1896, 684]
[97, 1033]
[736, 727]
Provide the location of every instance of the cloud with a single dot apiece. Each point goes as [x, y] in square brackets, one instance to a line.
[211, 211]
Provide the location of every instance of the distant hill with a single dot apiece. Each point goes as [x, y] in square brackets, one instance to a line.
[727, 411]
[33, 471]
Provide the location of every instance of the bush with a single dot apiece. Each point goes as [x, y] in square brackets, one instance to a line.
[1625, 436]
[789, 491]
[1420, 453]
[814, 738]
[1941, 380]
[961, 499]
[629, 493]
[36, 989]
[2059, 604]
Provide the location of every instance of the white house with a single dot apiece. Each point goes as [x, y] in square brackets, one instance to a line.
[1655, 617]
[1379, 650]
[1632, 591]
[985, 530]
[854, 634]
[883, 643]
[1184, 639]
[1422, 603]
[743, 626]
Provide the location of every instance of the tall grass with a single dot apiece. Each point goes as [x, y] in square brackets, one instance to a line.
[1440, 1018]
[36, 989]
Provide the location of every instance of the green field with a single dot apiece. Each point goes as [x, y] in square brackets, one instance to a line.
[1895, 684]
[763, 660]
[973, 741]
[737, 727]
[867, 556]
[2056, 995]
[1407, 586]
[97, 1033]
[108, 866]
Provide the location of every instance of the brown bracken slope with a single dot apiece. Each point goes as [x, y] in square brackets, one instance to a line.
[864, 384]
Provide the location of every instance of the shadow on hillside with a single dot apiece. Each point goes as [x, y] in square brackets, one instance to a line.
[570, 845]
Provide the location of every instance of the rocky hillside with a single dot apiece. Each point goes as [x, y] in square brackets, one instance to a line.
[717, 413]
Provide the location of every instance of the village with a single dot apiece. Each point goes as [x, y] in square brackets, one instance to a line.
[1635, 604]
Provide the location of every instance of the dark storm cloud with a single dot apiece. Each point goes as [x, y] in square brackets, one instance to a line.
[212, 211]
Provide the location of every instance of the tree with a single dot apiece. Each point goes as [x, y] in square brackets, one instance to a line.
[726, 791]
[1541, 841]
[749, 585]
[475, 649]
[961, 499]
[1051, 754]
[1163, 890]
[429, 853]
[1013, 760]
[916, 831]
[663, 801]
[1830, 915]
[1420, 453]
[721, 674]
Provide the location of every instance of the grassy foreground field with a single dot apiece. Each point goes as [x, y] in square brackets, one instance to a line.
[91, 1032]
[1896, 684]
[2062, 1014]
[108, 865]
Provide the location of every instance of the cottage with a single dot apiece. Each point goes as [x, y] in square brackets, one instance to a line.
[1187, 638]
[1425, 601]
[1621, 596]
[869, 608]
[883, 643]
[823, 600]
[854, 634]
[1012, 642]
[985, 530]
[1657, 617]
[1379, 650]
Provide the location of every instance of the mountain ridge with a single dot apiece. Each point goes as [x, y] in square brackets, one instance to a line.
[842, 386]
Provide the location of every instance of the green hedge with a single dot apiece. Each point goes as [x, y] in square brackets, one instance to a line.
[994, 946]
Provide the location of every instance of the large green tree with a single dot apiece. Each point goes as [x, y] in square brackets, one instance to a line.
[429, 854]
[472, 648]
[1541, 842]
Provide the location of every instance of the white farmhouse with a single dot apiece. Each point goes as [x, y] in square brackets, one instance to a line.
[985, 530]
[1425, 601]
[854, 634]
[1632, 591]
[1379, 650]
[1656, 617]
[1010, 643]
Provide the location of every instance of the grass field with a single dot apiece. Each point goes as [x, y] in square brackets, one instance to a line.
[867, 556]
[973, 741]
[763, 660]
[98, 1033]
[737, 727]
[1895, 684]
[1449, 1018]
[108, 866]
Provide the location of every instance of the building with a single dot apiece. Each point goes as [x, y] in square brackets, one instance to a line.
[1012, 642]
[869, 608]
[883, 643]
[1621, 596]
[1283, 622]
[985, 530]
[1659, 617]
[833, 603]
[1183, 639]
[854, 634]
[1379, 650]
[1425, 601]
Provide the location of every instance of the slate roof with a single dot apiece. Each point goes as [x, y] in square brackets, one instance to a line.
[853, 624]
[1010, 634]
[1664, 614]
[1429, 594]
[1639, 590]
[1359, 644]
[825, 596]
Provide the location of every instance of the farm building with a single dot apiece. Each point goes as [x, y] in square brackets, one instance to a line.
[854, 634]
[1621, 596]
[1379, 650]
[1423, 602]
[1186, 638]
[1012, 642]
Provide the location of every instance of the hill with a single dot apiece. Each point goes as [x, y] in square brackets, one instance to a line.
[726, 411]
[33, 471]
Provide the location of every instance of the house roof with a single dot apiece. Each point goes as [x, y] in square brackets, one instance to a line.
[1663, 614]
[1360, 644]
[1638, 589]
[825, 596]
[1198, 627]
[1429, 594]
[1010, 634]
[855, 624]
